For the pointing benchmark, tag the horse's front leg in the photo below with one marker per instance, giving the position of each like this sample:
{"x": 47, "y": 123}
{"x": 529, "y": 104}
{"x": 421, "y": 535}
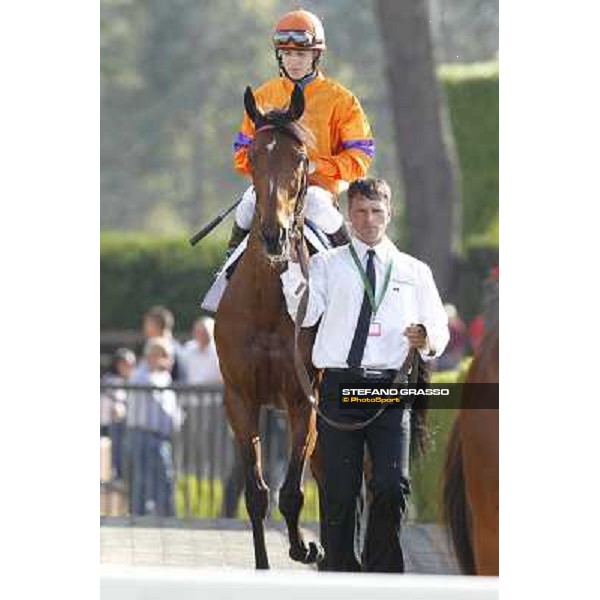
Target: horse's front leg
{"x": 291, "y": 495}
{"x": 244, "y": 422}
{"x": 257, "y": 499}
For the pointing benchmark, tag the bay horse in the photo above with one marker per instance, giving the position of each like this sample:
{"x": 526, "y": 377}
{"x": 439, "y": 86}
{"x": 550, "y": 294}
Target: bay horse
{"x": 470, "y": 475}
{"x": 254, "y": 334}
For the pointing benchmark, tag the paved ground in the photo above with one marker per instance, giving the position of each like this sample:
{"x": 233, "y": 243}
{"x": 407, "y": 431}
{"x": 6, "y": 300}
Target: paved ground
{"x": 227, "y": 543}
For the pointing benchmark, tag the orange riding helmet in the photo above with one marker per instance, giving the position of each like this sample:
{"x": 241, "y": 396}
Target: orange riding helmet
{"x": 299, "y": 30}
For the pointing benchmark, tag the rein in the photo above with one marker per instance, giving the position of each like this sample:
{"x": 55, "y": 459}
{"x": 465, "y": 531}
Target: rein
{"x": 409, "y": 370}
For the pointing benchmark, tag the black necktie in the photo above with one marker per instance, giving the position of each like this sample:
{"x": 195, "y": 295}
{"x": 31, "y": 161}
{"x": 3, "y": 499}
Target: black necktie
{"x": 357, "y": 349}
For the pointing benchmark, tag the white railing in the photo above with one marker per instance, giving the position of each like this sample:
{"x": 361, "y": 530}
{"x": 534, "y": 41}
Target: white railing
{"x": 175, "y": 583}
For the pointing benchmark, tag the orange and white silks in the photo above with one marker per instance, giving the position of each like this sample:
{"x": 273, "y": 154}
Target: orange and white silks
{"x": 340, "y": 139}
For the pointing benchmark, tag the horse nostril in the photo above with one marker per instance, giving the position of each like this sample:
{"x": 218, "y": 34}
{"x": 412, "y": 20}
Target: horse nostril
{"x": 273, "y": 242}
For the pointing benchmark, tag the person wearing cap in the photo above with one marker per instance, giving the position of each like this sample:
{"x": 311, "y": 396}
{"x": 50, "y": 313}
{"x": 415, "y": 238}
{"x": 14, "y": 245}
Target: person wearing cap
{"x": 372, "y": 304}
{"x": 341, "y": 145}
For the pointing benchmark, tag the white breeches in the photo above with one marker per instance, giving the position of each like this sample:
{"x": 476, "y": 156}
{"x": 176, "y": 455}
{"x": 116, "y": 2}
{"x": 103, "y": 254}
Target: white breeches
{"x": 319, "y": 209}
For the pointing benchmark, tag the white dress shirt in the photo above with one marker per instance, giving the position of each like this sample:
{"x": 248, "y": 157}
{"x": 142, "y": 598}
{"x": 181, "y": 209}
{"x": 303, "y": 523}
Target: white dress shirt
{"x": 202, "y": 364}
{"x": 336, "y": 295}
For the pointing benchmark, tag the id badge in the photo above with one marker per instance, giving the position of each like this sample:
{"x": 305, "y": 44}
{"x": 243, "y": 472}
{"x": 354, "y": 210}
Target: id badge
{"x": 375, "y": 329}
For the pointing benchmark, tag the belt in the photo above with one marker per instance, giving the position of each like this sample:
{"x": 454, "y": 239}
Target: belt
{"x": 365, "y": 372}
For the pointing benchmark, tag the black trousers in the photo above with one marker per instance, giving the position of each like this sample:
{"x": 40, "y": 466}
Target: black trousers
{"x": 388, "y": 442}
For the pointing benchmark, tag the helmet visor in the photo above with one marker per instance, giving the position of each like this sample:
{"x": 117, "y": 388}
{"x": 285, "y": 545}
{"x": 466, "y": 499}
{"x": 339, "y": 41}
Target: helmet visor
{"x": 302, "y": 39}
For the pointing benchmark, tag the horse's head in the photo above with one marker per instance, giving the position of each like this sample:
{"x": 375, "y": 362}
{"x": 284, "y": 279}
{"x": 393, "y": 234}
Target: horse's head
{"x": 279, "y": 171}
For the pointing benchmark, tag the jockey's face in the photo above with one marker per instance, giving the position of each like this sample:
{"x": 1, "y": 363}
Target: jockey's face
{"x": 298, "y": 63}
{"x": 369, "y": 218}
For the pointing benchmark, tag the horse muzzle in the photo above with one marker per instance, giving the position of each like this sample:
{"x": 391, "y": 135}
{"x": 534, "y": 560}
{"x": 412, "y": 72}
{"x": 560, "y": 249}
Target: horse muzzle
{"x": 275, "y": 242}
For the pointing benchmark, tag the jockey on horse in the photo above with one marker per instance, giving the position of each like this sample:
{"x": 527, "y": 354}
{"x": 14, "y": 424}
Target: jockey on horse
{"x": 341, "y": 145}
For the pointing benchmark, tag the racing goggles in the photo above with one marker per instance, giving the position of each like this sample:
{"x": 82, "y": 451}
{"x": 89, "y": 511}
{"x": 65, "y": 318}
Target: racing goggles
{"x": 302, "y": 39}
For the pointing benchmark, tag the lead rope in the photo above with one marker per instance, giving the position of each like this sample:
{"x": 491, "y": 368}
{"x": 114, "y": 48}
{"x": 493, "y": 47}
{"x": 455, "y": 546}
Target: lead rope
{"x": 410, "y": 364}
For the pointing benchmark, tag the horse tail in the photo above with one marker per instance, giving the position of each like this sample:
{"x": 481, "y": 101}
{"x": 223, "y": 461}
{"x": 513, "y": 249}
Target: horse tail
{"x": 420, "y": 437}
{"x": 455, "y": 513}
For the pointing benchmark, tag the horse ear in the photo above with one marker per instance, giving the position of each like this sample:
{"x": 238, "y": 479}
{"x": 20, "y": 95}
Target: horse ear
{"x": 297, "y": 104}
{"x": 250, "y": 105}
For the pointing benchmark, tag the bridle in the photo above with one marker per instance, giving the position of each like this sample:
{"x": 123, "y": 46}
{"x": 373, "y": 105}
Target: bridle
{"x": 296, "y": 230}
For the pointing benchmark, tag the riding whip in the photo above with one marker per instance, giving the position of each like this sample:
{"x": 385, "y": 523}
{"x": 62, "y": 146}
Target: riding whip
{"x": 208, "y": 228}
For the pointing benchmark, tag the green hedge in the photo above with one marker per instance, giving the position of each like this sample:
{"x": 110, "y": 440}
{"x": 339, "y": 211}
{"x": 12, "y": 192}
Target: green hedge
{"x": 138, "y": 271}
{"x": 472, "y": 92}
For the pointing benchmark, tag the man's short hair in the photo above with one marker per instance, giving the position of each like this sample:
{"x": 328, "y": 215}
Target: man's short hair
{"x": 162, "y": 316}
{"x": 371, "y": 188}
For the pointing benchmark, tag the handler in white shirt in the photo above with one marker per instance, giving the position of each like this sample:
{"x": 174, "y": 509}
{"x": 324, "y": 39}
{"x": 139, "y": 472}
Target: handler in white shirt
{"x": 337, "y": 290}
{"x": 364, "y": 336}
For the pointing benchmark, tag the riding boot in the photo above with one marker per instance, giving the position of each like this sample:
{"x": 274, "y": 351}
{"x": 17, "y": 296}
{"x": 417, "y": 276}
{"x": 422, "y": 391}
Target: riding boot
{"x": 237, "y": 237}
{"x": 340, "y": 237}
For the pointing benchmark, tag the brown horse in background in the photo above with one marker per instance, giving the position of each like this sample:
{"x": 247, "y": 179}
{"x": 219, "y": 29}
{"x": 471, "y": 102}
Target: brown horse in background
{"x": 254, "y": 334}
{"x": 470, "y": 477}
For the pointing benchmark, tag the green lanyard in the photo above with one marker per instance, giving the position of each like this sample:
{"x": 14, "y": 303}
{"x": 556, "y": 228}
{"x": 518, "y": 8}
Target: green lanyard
{"x": 367, "y": 284}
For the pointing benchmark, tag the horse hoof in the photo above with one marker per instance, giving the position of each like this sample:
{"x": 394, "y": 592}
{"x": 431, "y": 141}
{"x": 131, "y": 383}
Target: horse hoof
{"x": 299, "y": 553}
{"x": 314, "y": 553}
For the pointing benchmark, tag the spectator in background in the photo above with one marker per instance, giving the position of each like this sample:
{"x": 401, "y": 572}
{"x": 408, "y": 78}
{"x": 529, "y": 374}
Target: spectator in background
{"x": 113, "y": 406}
{"x": 476, "y": 330}
{"x": 457, "y": 346}
{"x": 202, "y": 367}
{"x": 160, "y": 322}
{"x": 486, "y": 320}
{"x": 152, "y": 418}
{"x": 201, "y": 360}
